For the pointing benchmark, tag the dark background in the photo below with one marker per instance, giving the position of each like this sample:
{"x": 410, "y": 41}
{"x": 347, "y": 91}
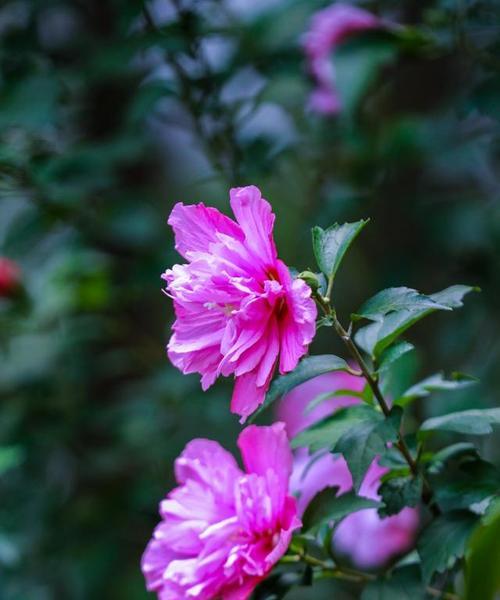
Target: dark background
{"x": 111, "y": 111}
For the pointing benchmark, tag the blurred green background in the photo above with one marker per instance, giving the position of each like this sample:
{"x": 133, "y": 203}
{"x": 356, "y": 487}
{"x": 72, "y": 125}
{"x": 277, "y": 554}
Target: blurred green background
{"x": 111, "y": 111}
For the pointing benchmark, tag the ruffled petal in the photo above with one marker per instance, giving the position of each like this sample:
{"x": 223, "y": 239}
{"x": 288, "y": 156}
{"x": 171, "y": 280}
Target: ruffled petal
{"x": 264, "y": 448}
{"x": 208, "y": 463}
{"x": 247, "y": 395}
{"x": 154, "y": 562}
{"x": 196, "y": 227}
{"x": 256, "y": 219}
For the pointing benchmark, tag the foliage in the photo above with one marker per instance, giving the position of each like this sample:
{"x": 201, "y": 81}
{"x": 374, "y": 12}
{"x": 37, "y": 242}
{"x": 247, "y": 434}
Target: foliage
{"x": 112, "y": 110}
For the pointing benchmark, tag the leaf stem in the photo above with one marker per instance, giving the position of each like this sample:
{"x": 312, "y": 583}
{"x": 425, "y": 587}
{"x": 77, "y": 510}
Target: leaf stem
{"x": 328, "y": 294}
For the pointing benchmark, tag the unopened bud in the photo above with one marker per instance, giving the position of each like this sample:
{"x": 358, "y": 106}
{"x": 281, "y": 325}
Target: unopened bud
{"x": 311, "y": 279}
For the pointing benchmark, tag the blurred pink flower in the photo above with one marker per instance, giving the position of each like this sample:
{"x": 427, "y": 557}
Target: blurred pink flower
{"x": 237, "y": 306}
{"x": 365, "y": 538}
{"x": 329, "y": 28}
{"x": 222, "y": 529}
{"x": 293, "y": 408}
{"x": 10, "y": 277}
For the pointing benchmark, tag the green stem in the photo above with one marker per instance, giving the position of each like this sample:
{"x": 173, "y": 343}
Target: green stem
{"x": 324, "y": 303}
{"x": 348, "y": 574}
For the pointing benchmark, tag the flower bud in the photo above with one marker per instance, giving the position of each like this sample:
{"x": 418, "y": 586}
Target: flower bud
{"x": 311, "y": 279}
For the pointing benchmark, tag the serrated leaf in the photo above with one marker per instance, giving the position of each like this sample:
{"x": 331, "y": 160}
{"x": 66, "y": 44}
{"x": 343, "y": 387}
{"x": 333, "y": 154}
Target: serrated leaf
{"x": 404, "y": 584}
{"x": 435, "y": 383}
{"x": 358, "y": 432}
{"x": 471, "y": 422}
{"x": 327, "y": 507}
{"x": 308, "y": 367}
{"x": 360, "y": 444}
{"x": 396, "y": 299}
{"x": 453, "y": 295}
{"x": 325, "y": 433}
{"x": 443, "y": 541}
{"x": 378, "y": 336}
{"x": 399, "y": 492}
{"x": 330, "y": 245}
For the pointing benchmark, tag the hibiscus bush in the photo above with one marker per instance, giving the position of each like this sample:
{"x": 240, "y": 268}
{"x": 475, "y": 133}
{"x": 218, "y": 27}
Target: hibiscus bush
{"x": 365, "y": 491}
{"x": 313, "y": 400}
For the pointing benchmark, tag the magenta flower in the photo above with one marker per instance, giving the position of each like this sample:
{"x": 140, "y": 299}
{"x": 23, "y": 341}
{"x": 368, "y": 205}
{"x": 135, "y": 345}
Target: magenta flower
{"x": 222, "y": 529}
{"x": 239, "y": 312}
{"x": 293, "y": 408}
{"x": 363, "y": 537}
{"x": 329, "y": 28}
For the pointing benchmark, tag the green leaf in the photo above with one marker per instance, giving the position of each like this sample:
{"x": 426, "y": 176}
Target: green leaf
{"x": 308, "y": 367}
{"x": 399, "y": 492}
{"x": 394, "y": 460}
{"x": 378, "y": 336}
{"x": 330, "y": 245}
{"x": 358, "y": 432}
{"x": 10, "y": 457}
{"x": 395, "y": 299}
{"x": 393, "y": 354}
{"x": 466, "y": 482}
{"x": 471, "y": 422}
{"x": 443, "y": 541}
{"x": 326, "y": 433}
{"x": 435, "y": 383}
{"x": 404, "y": 584}
{"x": 329, "y": 395}
{"x": 453, "y": 451}
{"x": 17, "y": 106}
{"x": 453, "y": 295}
{"x": 327, "y": 506}
{"x": 361, "y": 443}
{"x": 482, "y": 579}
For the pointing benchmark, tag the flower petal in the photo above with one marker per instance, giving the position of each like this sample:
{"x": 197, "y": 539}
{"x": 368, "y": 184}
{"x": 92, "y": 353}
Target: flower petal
{"x": 247, "y": 395}
{"x": 255, "y": 216}
{"x": 264, "y": 448}
{"x": 208, "y": 463}
{"x": 196, "y": 227}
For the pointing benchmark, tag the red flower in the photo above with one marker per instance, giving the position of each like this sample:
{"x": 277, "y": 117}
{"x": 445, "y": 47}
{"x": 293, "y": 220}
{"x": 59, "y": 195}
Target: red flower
{"x": 10, "y": 277}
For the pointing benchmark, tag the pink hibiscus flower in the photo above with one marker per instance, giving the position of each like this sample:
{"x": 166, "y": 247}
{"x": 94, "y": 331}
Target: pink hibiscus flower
{"x": 329, "y": 28}
{"x": 222, "y": 529}
{"x": 366, "y": 539}
{"x": 239, "y": 312}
